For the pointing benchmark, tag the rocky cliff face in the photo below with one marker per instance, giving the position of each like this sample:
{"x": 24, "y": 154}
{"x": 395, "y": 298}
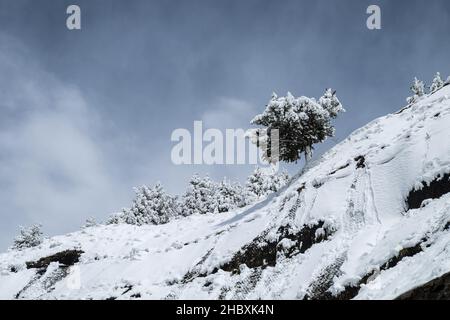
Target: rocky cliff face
{"x": 369, "y": 220}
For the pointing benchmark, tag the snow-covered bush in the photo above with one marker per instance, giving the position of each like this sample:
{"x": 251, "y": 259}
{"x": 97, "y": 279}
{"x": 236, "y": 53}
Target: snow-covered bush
{"x": 28, "y": 237}
{"x": 199, "y": 197}
{"x": 264, "y": 181}
{"x": 150, "y": 206}
{"x": 257, "y": 183}
{"x": 116, "y": 218}
{"x": 418, "y": 90}
{"x": 301, "y": 122}
{"x": 90, "y": 222}
{"x": 437, "y": 83}
{"x": 155, "y": 206}
{"x": 331, "y": 103}
{"x": 229, "y": 196}
{"x": 278, "y": 180}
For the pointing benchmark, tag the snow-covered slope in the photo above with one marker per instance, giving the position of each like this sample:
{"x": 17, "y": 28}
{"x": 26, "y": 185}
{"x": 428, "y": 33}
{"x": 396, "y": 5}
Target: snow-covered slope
{"x": 349, "y": 226}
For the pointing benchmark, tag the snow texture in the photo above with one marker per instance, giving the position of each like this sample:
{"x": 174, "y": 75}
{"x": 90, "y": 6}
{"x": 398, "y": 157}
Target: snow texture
{"x": 342, "y": 218}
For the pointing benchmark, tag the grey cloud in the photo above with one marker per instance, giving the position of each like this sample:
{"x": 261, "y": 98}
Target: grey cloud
{"x": 140, "y": 69}
{"x": 53, "y": 169}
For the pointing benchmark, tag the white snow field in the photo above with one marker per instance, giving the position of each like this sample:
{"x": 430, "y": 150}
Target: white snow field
{"x": 341, "y": 229}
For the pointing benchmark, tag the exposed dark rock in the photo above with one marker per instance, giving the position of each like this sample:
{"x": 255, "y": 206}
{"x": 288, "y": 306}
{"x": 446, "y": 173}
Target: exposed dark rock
{"x": 14, "y": 269}
{"x": 319, "y": 289}
{"x": 434, "y": 190}
{"x": 263, "y": 253}
{"x": 258, "y": 253}
{"x": 317, "y": 184}
{"x": 360, "y": 162}
{"x": 66, "y": 258}
{"x": 405, "y": 252}
{"x": 437, "y": 289}
{"x": 244, "y": 286}
{"x": 340, "y": 168}
{"x": 33, "y": 280}
{"x": 301, "y": 188}
{"x": 127, "y": 289}
{"x": 352, "y": 291}
{"x": 405, "y": 108}
{"x": 191, "y": 275}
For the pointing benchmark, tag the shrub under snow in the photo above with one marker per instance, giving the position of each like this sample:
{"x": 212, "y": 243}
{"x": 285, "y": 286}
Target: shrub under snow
{"x": 418, "y": 90}
{"x": 150, "y": 206}
{"x": 264, "y": 181}
{"x": 437, "y": 83}
{"x": 199, "y": 196}
{"x": 28, "y": 237}
{"x": 229, "y": 196}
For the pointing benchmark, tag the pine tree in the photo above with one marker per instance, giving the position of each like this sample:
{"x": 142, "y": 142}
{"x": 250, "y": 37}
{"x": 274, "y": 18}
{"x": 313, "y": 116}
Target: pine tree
{"x": 278, "y": 181}
{"x": 150, "y": 206}
{"x": 301, "y": 123}
{"x": 437, "y": 83}
{"x": 199, "y": 197}
{"x": 257, "y": 183}
{"x": 229, "y": 196}
{"x": 90, "y": 222}
{"x": 331, "y": 103}
{"x": 117, "y": 217}
{"x": 262, "y": 182}
{"x": 418, "y": 90}
{"x": 28, "y": 237}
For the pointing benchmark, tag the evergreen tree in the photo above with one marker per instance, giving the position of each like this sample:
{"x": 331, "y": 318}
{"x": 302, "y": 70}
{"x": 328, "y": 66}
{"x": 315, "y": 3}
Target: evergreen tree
{"x": 418, "y": 90}
{"x": 199, "y": 197}
{"x": 90, "y": 222}
{"x": 28, "y": 237}
{"x": 150, "y": 206}
{"x": 116, "y": 218}
{"x": 278, "y": 181}
{"x": 262, "y": 182}
{"x": 437, "y": 83}
{"x": 256, "y": 183}
{"x": 229, "y": 196}
{"x": 301, "y": 123}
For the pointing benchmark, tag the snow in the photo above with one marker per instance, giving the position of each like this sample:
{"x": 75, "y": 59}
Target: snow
{"x": 362, "y": 201}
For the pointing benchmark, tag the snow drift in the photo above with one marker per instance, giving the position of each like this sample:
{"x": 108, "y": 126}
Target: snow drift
{"x": 369, "y": 220}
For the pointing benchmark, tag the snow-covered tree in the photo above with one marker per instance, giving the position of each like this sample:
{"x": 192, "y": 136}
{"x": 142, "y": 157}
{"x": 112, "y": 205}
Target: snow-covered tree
{"x": 28, "y": 237}
{"x": 331, "y": 103}
{"x": 437, "y": 83}
{"x": 90, "y": 222}
{"x": 229, "y": 196}
{"x": 278, "y": 180}
{"x": 264, "y": 181}
{"x": 418, "y": 90}
{"x": 257, "y": 183}
{"x": 117, "y": 217}
{"x": 199, "y": 197}
{"x": 301, "y": 122}
{"x": 150, "y": 206}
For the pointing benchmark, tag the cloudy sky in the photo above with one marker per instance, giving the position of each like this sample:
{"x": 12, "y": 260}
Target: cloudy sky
{"x": 86, "y": 115}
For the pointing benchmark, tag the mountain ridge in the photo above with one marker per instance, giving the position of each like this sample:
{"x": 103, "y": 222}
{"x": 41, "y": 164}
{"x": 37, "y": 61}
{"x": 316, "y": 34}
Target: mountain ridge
{"x": 343, "y": 228}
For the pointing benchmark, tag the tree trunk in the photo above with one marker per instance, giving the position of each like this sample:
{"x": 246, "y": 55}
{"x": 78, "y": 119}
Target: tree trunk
{"x": 308, "y": 154}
